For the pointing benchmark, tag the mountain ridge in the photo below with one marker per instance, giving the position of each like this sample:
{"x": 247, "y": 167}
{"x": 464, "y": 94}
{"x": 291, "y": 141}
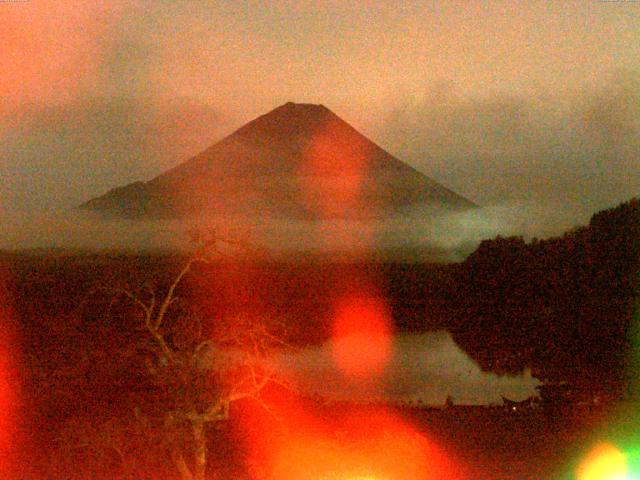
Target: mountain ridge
{"x": 291, "y": 161}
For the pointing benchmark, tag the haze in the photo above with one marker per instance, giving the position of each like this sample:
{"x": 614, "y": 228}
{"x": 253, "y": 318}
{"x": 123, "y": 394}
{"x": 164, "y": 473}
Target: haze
{"x": 531, "y": 110}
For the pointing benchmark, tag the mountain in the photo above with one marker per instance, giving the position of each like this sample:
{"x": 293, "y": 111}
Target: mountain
{"x": 298, "y": 161}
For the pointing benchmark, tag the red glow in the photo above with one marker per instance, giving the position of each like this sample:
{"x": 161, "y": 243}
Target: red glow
{"x": 9, "y": 385}
{"x": 295, "y": 440}
{"x": 361, "y": 336}
{"x": 359, "y": 444}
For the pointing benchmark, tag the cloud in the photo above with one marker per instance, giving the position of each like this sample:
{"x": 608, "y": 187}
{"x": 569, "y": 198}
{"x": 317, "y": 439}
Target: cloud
{"x": 52, "y": 51}
{"x": 577, "y": 148}
{"x": 72, "y": 229}
{"x": 61, "y": 156}
{"x": 539, "y": 165}
{"x": 421, "y": 233}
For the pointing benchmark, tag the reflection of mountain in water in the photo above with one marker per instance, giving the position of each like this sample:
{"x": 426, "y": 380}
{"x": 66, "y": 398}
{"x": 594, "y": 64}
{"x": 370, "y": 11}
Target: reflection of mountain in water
{"x": 298, "y": 161}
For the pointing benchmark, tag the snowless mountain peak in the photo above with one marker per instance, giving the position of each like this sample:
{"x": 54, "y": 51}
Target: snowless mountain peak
{"x": 298, "y": 161}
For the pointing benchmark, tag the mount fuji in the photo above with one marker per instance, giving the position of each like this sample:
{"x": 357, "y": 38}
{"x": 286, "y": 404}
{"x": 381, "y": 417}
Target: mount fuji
{"x": 298, "y": 161}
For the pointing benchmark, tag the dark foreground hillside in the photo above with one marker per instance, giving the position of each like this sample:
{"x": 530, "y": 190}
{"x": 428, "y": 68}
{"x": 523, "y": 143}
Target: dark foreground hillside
{"x": 481, "y": 443}
{"x": 563, "y": 307}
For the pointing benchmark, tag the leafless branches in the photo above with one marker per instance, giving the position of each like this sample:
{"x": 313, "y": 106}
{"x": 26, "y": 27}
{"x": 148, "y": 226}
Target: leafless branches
{"x": 204, "y": 375}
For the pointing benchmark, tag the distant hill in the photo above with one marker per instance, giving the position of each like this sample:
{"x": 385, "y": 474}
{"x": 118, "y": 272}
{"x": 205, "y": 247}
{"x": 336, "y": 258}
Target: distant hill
{"x": 298, "y": 161}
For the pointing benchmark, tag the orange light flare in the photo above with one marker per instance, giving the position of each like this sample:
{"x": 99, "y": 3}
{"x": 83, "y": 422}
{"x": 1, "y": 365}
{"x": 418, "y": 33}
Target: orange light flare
{"x": 356, "y": 443}
{"x": 289, "y": 438}
{"x": 336, "y": 164}
{"x": 604, "y": 462}
{"x": 361, "y": 338}
{"x": 9, "y": 383}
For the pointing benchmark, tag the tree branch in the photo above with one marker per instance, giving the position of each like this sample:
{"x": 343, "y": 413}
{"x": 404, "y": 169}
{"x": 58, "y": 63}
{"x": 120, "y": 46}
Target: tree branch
{"x": 169, "y": 297}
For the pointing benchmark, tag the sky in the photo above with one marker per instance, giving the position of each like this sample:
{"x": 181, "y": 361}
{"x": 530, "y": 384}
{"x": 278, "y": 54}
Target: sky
{"x": 531, "y": 110}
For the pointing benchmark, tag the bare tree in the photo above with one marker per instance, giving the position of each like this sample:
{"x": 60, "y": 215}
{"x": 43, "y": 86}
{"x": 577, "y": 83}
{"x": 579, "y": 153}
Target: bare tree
{"x": 200, "y": 374}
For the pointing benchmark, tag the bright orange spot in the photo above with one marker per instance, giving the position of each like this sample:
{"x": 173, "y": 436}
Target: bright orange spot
{"x": 298, "y": 440}
{"x": 356, "y": 444}
{"x": 361, "y": 336}
{"x": 605, "y": 462}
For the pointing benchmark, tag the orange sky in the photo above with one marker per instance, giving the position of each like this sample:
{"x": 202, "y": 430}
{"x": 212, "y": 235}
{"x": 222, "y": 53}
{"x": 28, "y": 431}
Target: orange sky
{"x": 412, "y": 77}
{"x": 249, "y": 57}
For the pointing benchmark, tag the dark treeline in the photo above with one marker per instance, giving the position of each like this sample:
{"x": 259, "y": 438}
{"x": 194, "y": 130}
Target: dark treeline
{"x": 562, "y": 306}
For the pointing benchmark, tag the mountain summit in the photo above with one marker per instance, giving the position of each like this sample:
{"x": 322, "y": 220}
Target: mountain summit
{"x": 297, "y": 161}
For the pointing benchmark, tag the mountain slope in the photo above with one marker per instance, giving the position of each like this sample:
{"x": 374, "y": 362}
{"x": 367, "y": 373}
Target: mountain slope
{"x": 298, "y": 161}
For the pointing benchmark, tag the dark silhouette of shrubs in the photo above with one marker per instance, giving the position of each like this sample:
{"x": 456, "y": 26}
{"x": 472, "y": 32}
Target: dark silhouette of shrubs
{"x": 562, "y": 306}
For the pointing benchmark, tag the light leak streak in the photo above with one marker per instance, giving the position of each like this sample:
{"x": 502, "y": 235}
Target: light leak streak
{"x": 52, "y": 51}
{"x": 296, "y": 441}
{"x": 335, "y": 165}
